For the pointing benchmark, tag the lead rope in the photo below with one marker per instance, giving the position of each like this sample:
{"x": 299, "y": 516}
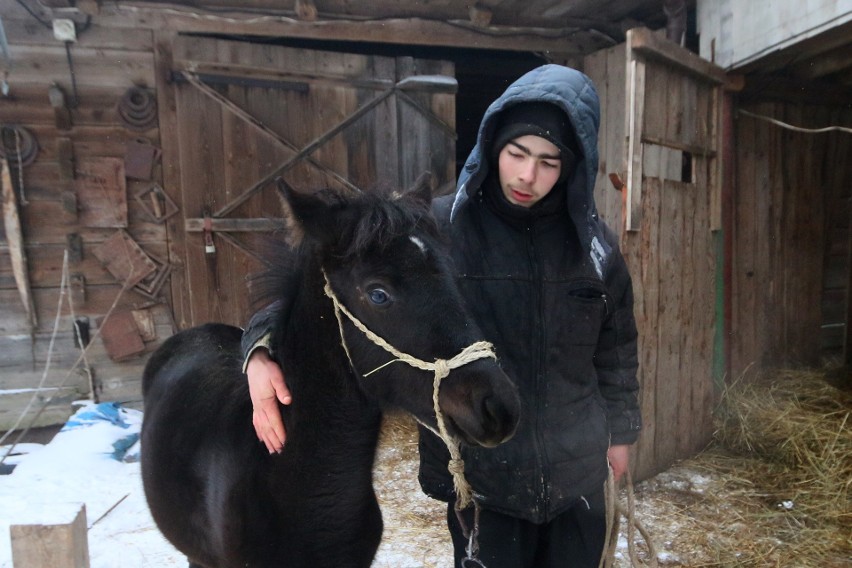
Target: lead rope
{"x": 441, "y": 368}
{"x": 614, "y": 512}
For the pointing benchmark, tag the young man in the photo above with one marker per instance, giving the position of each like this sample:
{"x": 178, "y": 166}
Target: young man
{"x": 543, "y": 276}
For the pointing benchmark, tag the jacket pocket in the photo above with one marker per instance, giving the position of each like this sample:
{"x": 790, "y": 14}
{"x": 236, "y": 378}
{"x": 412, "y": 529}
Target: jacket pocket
{"x": 582, "y": 312}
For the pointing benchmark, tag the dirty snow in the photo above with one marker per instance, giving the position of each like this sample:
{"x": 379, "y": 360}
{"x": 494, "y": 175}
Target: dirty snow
{"x": 92, "y": 462}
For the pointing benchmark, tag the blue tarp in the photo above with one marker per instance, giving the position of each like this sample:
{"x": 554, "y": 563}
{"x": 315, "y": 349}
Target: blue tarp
{"x": 113, "y": 413}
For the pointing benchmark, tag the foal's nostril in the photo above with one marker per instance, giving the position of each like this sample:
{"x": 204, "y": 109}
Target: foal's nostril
{"x": 497, "y": 418}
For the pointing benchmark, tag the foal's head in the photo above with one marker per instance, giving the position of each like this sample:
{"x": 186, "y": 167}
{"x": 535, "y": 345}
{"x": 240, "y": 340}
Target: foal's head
{"x": 386, "y": 265}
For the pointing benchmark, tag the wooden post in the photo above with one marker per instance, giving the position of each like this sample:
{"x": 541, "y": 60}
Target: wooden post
{"x": 55, "y": 545}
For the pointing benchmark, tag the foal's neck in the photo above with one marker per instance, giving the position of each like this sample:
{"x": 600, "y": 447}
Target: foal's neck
{"x": 329, "y": 410}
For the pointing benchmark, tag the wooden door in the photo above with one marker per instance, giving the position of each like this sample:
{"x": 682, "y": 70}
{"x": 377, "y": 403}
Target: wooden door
{"x": 248, "y": 113}
{"x": 660, "y": 139}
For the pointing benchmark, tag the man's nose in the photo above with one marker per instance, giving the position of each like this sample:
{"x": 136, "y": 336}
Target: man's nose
{"x": 528, "y": 171}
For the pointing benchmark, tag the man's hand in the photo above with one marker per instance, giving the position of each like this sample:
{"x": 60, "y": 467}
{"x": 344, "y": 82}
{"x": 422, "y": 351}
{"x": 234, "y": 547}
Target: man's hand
{"x": 267, "y": 388}
{"x": 619, "y": 459}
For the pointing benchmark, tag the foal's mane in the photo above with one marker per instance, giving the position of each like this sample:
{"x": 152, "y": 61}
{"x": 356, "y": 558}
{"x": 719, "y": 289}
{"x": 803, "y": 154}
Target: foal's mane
{"x": 364, "y": 222}
{"x": 385, "y": 218}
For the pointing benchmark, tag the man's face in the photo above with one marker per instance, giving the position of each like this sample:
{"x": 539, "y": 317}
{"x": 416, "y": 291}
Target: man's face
{"x": 529, "y": 167}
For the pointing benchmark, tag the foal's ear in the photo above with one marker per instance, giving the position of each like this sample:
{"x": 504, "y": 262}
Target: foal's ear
{"x": 422, "y": 189}
{"x": 322, "y": 215}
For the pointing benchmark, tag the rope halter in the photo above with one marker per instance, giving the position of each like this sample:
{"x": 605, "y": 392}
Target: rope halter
{"x": 441, "y": 368}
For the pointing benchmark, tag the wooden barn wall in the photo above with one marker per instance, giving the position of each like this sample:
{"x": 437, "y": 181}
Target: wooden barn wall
{"x": 672, "y": 256}
{"x": 790, "y": 237}
{"x": 106, "y": 63}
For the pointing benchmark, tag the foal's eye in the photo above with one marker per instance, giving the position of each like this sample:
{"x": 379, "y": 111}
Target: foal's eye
{"x": 378, "y": 296}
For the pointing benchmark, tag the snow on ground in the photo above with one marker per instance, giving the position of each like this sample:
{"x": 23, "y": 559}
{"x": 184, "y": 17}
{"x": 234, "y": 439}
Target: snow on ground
{"x": 93, "y": 461}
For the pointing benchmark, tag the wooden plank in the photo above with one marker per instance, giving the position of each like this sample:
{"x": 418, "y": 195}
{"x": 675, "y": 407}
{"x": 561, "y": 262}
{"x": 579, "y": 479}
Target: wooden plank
{"x": 690, "y": 374}
{"x": 807, "y": 273}
{"x": 383, "y": 129}
{"x": 606, "y": 68}
{"x": 28, "y": 104}
{"x": 703, "y": 263}
{"x": 771, "y": 235}
{"x": 227, "y": 224}
{"x": 200, "y": 128}
{"x": 107, "y": 140}
{"x": 718, "y": 165}
{"x": 743, "y": 308}
{"x": 23, "y": 32}
{"x": 647, "y": 272}
{"x": 22, "y": 353}
{"x": 656, "y": 108}
{"x": 635, "y": 124}
{"x": 171, "y": 172}
{"x": 23, "y": 378}
{"x": 652, "y": 46}
{"x": 594, "y": 66}
{"x": 44, "y": 65}
{"x": 668, "y": 332}
{"x": 428, "y": 142}
{"x": 40, "y": 233}
{"x": 53, "y": 406}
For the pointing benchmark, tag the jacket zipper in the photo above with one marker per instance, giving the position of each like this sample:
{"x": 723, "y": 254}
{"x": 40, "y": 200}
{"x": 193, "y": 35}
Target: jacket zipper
{"x": 540, "y": 350}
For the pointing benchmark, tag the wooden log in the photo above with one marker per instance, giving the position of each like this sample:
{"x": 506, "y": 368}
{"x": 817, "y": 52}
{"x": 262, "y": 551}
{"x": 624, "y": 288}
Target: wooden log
{"x": 61, "y": 543}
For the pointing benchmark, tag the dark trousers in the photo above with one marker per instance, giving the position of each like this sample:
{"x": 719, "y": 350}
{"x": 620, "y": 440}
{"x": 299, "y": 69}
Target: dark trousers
{"x": 574, "y": 539}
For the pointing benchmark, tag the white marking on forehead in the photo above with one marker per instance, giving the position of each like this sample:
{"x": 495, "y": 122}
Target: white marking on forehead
{"x": 420, "y": 244}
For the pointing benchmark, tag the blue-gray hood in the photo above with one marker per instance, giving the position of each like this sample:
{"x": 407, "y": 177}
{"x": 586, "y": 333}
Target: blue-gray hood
{"x": 574, "y": 93}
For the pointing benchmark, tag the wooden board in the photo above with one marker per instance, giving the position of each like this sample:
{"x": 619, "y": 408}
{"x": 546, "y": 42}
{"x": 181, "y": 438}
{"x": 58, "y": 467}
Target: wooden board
{"x": 101, "y": 191}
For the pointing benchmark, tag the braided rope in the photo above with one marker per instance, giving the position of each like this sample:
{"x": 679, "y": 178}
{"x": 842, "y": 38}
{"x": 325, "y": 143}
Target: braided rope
{"x": 441, "y": 368}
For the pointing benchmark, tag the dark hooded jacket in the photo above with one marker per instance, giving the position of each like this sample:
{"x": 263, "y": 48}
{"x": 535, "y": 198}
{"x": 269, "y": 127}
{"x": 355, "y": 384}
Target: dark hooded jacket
{"x": 550, "y": 289}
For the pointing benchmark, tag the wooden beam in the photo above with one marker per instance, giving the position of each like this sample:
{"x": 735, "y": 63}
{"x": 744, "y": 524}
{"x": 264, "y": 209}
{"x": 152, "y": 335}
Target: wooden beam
{"x": 406, "y": 31}
{"x": 635, "y": 124}
{"x": 648, "y": 44}
{"x": 243, "y": 225}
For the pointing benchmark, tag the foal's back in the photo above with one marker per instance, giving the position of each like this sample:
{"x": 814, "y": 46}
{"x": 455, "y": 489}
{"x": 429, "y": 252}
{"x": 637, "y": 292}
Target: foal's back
{"x": 214, "y": 491}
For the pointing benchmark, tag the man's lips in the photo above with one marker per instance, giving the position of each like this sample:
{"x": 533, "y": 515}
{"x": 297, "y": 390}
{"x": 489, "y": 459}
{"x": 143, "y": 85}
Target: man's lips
{"x": 520, "y": 196}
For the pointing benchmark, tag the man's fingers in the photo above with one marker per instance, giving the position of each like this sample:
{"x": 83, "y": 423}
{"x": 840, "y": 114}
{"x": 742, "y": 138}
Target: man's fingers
{"x": 266, "y": 432}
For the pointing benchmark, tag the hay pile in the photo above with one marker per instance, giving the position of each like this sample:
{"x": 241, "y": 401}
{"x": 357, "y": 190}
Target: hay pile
{"x": 773, "y": 490}
{"x": 786, "y": 448}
